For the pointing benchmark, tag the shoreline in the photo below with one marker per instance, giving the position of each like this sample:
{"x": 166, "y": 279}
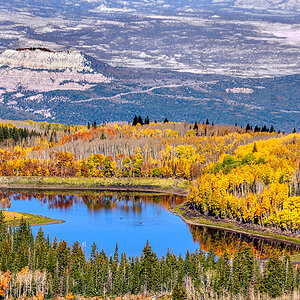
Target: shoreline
{"x": 32, "y": 219}
{"x": 200, "y": 220}
{"x": 112, "y": 188}
{"x": 139, "y": 185}
{"x": 146, "y": 185}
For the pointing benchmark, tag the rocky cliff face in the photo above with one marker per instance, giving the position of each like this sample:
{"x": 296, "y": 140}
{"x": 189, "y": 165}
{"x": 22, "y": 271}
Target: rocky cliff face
{"x": 40, "y": 58}
{"x": 42, "y": 70}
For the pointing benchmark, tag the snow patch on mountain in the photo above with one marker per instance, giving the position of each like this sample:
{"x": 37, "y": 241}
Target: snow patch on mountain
{"x": 104, "y": 9}
{"x": 287, "y": 5}
{"x": 239, "y": 90}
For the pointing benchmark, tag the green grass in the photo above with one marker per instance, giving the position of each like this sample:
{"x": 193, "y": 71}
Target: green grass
{"x": 181, "y": 209}
{"x": 14, "y": 218}
{"x": 156, "y": 184}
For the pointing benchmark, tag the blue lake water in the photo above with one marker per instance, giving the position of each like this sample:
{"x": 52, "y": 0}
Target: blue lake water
{"x": 130, "y": 219}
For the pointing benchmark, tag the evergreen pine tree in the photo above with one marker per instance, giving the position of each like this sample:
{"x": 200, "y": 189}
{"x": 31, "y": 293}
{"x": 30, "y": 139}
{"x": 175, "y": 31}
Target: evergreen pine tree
{"x": 179, "y": 293}
{"x": 135, "y": 121}
{"x": 264, "y": 129}
{"x": 242, "y": 271}
{"x": 148, "y": 262}
{"x": 222, "y": 277}
{"x": 273, "y": 278}
{"x": 140, "y": 120}
{"x": 2, "y": 227}
{"x": 77, "y": 269}
{"x": 195, "y": 126}
{"x": 40, "y": 250}
{"x": 297, "y": 280}
{"x": 147, "y": 121}
{"x": 256, "y": 129}
{"x": 248, "y": 127}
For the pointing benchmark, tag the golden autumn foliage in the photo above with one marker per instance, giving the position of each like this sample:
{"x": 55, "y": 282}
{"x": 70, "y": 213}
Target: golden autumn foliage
{"x": 121, "y": 150}
{"x": 252, "y": 177}
{"x": 258, "y": 184}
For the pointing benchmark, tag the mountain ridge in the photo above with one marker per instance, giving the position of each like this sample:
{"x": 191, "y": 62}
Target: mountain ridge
{"x": 102, "y": 92}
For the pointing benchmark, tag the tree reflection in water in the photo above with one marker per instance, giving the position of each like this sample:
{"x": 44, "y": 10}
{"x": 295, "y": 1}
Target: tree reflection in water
{"x": 221, "y": 241}
{"x": 216, "y": 240}
{"x": 125, "y": 202}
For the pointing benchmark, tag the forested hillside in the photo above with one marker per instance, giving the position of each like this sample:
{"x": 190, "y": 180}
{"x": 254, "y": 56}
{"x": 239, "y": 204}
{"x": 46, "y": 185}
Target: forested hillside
{"x": 247, "y": 175}
{"x": 232, "y": 173}
{"x": 259, "y": 184}
{"x": 165, "y": 150}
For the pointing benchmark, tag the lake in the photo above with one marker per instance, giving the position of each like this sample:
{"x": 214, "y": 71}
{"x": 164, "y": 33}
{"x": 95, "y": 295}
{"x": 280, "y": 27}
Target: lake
{"x": 130, "y": 219}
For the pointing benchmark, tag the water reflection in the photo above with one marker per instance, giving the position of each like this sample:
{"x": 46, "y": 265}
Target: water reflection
{"x": 131, "y": 219}
{"x": 221, "y": 241}
{"x": 125, "y": 202}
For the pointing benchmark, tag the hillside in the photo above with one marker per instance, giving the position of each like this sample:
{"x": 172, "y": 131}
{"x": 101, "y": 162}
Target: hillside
{"x": 71, "y": 87}
{"x": 237, "y": 179}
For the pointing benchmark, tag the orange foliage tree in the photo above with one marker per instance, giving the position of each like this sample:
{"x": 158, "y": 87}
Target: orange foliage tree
{"x": 4, "y": 282}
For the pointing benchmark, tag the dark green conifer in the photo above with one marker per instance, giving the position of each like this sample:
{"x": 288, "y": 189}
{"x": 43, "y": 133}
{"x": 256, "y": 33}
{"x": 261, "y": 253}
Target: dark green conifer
{"x": 78, "y": 266}
{"x": 221, "y": 282}
{"x": 148, "y": 263}
{"x": 147, "y": 121}
{"x": 242, "y": 271}
{"x": 273, "y": 278}
{"x": 135, "y": 121}
{"x": 179, "y": 293}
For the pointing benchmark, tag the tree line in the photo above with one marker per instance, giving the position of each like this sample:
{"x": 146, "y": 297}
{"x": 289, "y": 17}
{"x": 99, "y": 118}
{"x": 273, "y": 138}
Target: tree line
{"x": 37, "y": 266}
{"x": 16, "y": 134}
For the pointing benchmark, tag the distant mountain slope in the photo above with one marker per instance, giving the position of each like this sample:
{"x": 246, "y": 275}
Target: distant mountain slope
{"x": 120, "y": 6}
{"x": 223, "y": 37}
{"x": 73, "y": 87}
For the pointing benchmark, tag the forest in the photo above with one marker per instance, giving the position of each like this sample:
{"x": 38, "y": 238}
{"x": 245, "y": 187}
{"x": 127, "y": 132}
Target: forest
{"x": 38, "y": 268}
{"x": 232, "y": 173}
{"x": 243, "y": 175}
{"x": 259, "y": 184}
{"x": 163, "y": 150}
